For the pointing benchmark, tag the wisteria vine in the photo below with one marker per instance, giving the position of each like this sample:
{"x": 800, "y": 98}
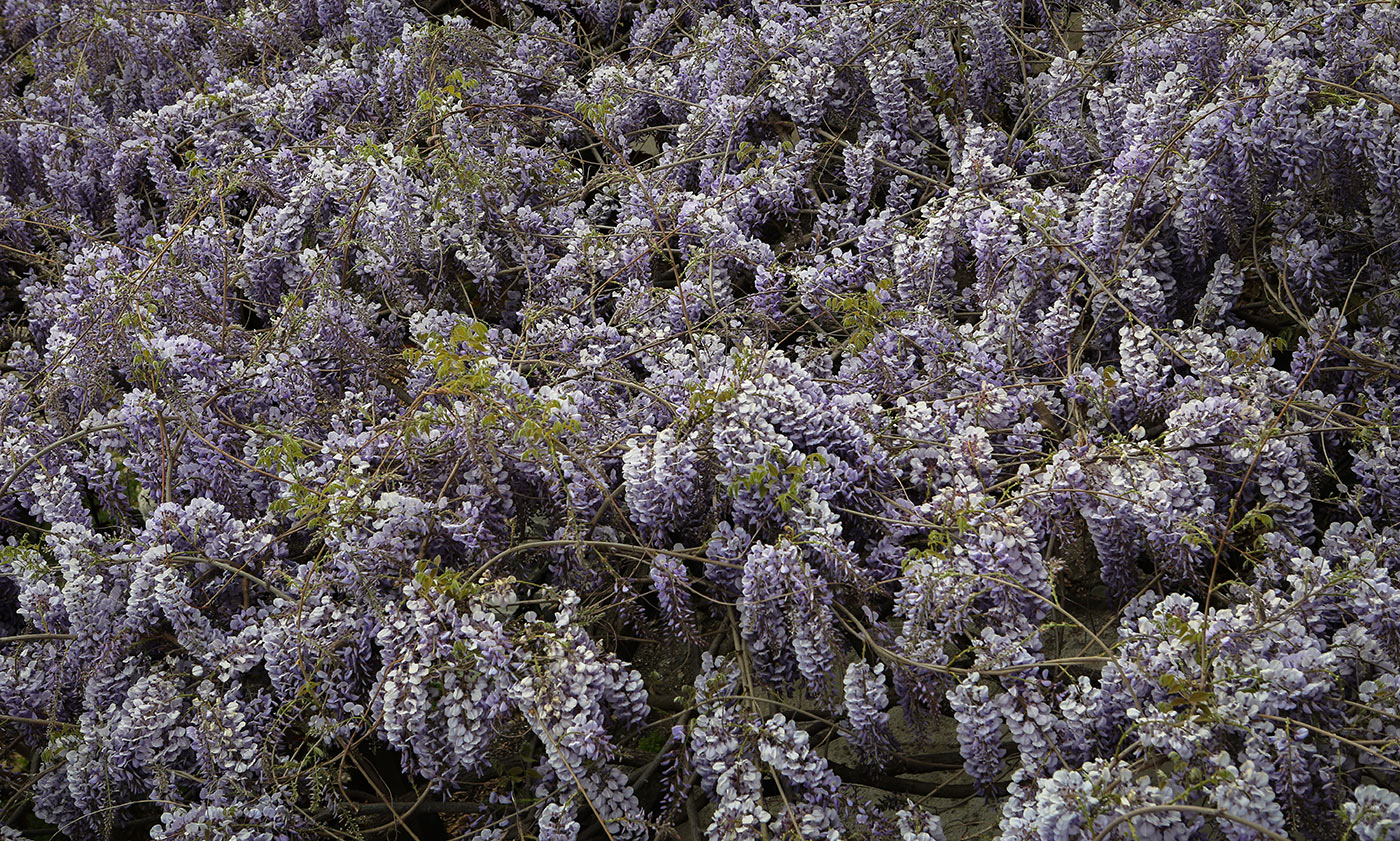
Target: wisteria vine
{"x": 677, "y": 419}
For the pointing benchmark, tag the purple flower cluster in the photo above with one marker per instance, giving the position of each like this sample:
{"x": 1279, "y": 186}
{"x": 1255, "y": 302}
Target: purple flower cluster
{"x": 570, "y": 419}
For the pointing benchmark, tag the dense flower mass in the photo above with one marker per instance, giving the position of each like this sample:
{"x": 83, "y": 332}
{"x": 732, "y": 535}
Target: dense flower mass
{"x": 725, "y": 419}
